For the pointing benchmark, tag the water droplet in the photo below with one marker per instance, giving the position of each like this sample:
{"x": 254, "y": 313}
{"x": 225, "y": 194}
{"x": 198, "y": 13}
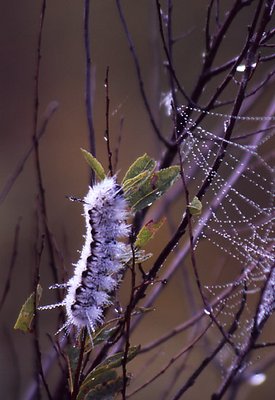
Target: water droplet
{"x": 257, "y": 379}
{"x": 240, "y": 68}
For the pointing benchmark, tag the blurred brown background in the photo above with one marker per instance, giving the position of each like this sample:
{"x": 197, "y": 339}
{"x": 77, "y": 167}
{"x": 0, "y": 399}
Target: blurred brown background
{"x": 63, "y": 168}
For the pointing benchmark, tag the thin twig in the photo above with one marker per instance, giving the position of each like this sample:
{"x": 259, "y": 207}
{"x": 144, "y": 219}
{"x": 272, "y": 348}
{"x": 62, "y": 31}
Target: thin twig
{"x": 167, "y": 53}
{"x": 88, "y": 82}
{"x": 127, "y": 319}
{"x": 208, "y": 37}
{"x": 38, "y": 255}
{"x": 36, "y": 146}
{"x": 247, "y": 135}
{"x": 117, "y": 148}
{"x": 140, "y": 80}
{"x": 171, "y": 42}
{"x": 107, "y": 130}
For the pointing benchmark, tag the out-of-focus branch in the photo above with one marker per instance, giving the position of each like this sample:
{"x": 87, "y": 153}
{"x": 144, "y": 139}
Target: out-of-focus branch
{"x": 52, "y": 107}
{"x": 172, "y": 361}
{"x": 12, "y": 263}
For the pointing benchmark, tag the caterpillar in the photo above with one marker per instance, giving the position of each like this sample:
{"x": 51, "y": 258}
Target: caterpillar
{"x": 100, "y": 265}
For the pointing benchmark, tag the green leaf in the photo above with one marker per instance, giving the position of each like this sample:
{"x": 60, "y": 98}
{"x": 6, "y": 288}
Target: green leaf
{"x": 72, "y": 357}
{"x": 147, "y": 232}
{"x": 102, "y": 373}
{"x": 99, "y": 386}
{"x": 106, "y": 391}
{"x": 131, "y": 186}
{"x": 102, "y": 335}
{"x": 94, "y": 164}
{"x": 143, "y": 310}
{"x": 195, "y": 207}
{"x": 26, "y": 314}
{"x": 154, "y": 187}
{"x": 116, "y": 360}
{"x": 142, "y": 164}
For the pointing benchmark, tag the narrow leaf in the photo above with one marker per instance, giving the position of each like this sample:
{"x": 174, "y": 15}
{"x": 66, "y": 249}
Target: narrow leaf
{"x": 147, "y": 232}
{"x": 94, "y": 164}
{"x": 26, "y": 314}
{"x": 72, "y": 358}
{"x": 143, "y": 310}
{"x": 116, "y": 360}
{"x": 141, "y": 256}
{"x": 142, "y": 164}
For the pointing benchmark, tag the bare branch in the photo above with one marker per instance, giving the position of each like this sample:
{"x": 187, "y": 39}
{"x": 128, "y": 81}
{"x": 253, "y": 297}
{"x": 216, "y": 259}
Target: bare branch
{"x": 138, "y": 72}
{"x": 88, "y": 81}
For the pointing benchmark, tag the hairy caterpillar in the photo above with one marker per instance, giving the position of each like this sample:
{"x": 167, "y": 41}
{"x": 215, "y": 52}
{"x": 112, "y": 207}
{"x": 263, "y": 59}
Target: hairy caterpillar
{"x": 96, "y": 274}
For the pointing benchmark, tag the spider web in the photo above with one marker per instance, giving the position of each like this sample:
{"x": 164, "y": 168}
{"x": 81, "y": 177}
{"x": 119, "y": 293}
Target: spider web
{"x": 238, "y": 212}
